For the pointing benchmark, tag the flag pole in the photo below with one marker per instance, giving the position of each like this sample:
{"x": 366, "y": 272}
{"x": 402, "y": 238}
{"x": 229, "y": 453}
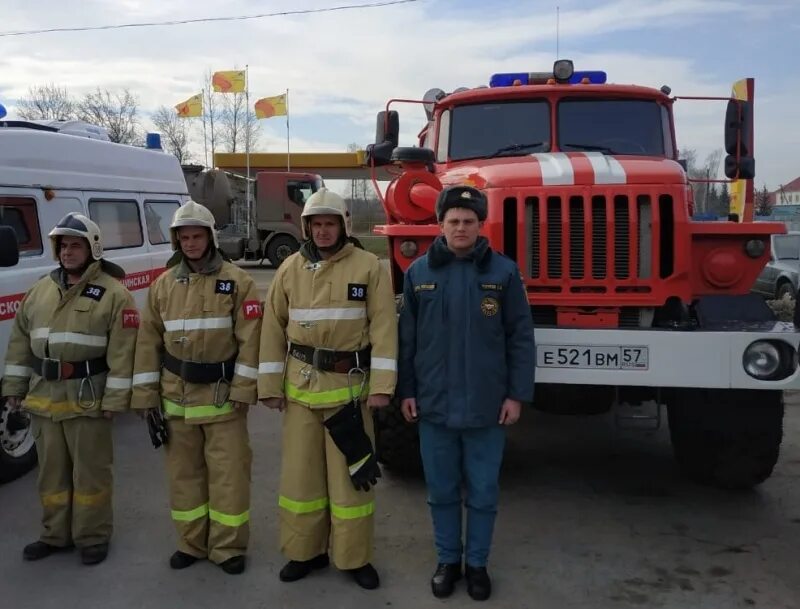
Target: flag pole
{"x": 247, "y": 143}
{"x": 205, "y": 136}
{"x": 288, "y": 148}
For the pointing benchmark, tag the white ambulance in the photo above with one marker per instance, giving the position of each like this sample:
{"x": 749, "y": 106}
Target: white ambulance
{"x": 48, "y": 169}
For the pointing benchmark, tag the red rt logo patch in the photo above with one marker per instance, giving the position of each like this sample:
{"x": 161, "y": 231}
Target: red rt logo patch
{"x": 130, "y": 318}
{"x": 251, "y": 309}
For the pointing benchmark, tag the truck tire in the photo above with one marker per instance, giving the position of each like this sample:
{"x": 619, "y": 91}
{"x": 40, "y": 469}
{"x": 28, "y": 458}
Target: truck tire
{"x": 17, "y": 449}
{"x": 396, "y": 441}
{"x": 280, "y": 248}
{"x": 729, "y": 438}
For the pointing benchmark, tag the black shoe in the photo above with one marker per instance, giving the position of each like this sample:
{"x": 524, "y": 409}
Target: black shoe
{"x": 40, "y": 549}
{"x": 479, "y": 586}
{"x": 298, "y": 569}
{"x": 444, "y": 580}
{"x": 181, "y": 560}
{"x": 91, "y": 555}
{"x": 233, "y": 565}
{"x": 366, "y": 577}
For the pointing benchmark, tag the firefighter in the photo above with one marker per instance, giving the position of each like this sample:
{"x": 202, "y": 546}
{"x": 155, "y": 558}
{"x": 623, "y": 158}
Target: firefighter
{"x": 69, "y": 366}
{"x": 466, "y": 365}
{"x": 331, "y": 308}
{"x": 196, "y": 359}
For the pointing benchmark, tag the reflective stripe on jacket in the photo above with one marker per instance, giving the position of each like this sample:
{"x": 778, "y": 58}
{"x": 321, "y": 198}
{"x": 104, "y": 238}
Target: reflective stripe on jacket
{"x": 344, "y": 303}
{"x": 94, "y": 318}
{"x": 205, "y": 317}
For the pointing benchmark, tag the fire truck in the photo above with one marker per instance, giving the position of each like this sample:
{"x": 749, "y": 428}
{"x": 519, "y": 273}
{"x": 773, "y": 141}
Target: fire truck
{"x": 636, "y": 306}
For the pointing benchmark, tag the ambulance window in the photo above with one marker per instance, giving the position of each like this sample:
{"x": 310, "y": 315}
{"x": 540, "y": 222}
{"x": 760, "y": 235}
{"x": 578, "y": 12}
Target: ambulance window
{"x": 119, "y": 222}
{"x": 20, "y": 214}
{"x": 158, "y": 215}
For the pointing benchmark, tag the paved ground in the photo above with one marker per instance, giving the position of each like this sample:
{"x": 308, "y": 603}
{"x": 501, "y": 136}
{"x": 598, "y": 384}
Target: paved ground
{"x": 591, "y": 517}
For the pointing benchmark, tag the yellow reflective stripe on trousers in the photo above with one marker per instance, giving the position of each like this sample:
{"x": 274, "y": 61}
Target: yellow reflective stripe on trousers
{"x": 195, "y": 412}
{"x": 92, "y": 500}
{"x": 332, "y": 396}
{"x": 349, "y": 513}
{"x": 189, "y": 515}
{"x": 56, "y": 499}
{"x": 302, "y": 507}
{"x": 229, "y": 520}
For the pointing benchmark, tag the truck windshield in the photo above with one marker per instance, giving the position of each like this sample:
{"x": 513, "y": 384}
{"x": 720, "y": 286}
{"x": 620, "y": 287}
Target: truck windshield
{"x": 611, "y": 126}
{"x": 499, "y": 129}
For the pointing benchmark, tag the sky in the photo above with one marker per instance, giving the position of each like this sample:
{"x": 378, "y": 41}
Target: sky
{"x": 342, "y": 67}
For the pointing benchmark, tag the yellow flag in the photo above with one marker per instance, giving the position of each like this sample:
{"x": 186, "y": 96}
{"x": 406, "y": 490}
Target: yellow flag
{"x": 738, "y": 189}
{"x": 230, "y": 81}
{"x": 191, "y": 107}
{"x": 267, "y": 107}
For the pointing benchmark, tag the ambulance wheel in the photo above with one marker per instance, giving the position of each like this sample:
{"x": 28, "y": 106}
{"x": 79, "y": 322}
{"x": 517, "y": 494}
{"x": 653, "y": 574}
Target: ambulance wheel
{"x": 397, "y": 442}
{"x": 17, "y": 449}
{"x": 729, "y": 438}
{"x": 280, "y": 248}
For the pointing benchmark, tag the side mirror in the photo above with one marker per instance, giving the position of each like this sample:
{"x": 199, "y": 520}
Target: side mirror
{"x": 387, "y": 128}
{"x": 739, "y": 164}
{"x": 9, "y": 247}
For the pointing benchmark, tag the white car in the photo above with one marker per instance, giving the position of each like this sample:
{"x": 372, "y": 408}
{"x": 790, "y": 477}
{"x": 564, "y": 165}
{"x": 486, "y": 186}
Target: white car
{"x": 48, "y": 169}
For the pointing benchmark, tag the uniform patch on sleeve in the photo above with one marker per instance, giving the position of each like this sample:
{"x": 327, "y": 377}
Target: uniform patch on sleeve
{"x": 357, "y": 291}
{"x": 224, "y": 286}
{"x": 95, "y": 292}
{"x": 130, "y": 318}
{"x": 251, "y": 309}
{"x": 424, "y": 287}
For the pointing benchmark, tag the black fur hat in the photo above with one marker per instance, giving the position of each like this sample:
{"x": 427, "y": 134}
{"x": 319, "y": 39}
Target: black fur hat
{"x": 461, "y": 196}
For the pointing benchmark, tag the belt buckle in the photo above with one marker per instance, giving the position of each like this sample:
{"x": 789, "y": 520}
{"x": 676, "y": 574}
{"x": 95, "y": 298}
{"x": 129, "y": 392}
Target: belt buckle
{"x": 51, "y": 369}
{"x": 323, "y": 359}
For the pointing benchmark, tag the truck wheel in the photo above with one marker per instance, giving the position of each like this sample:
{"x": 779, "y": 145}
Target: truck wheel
{"x": 17, "y": 449}
{"x": 397, "y": 442}
{"x": 280, "y": 248}
{"x": 728, "y": 438}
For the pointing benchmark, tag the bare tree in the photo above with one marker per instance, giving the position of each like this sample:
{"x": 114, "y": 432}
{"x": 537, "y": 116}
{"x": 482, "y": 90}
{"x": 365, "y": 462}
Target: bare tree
{"x": 763, "y": 202}
{"x": 211, "y": 116}
{"x": 239, "y": 128}
{"x": 703, "y": 192}
{"x": 47, "y": 102}
{"x": 117, "y": 112}
{"x": 360, "y": 189}
{"x": 175, "y": 132}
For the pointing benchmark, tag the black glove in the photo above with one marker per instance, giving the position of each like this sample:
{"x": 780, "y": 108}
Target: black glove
{"x": 157, "y": 426}
{"x": 347, "y": 432}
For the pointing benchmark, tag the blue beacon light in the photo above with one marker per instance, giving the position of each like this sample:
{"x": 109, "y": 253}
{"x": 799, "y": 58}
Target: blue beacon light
{"x": 507, "y": 79}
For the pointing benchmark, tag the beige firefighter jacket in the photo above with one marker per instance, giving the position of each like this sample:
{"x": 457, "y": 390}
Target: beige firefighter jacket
{"x": 96, "y": 317}
{"x": 205, "y": 317}
{"x": 344, "y": 303}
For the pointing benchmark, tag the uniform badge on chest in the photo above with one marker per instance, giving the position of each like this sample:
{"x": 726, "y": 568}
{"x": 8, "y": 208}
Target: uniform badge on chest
{"x": 490, "y": 306}
{"x": 224, "y": 286}
{"x": 95, "y": 292}
{"x": 357, "y": 291}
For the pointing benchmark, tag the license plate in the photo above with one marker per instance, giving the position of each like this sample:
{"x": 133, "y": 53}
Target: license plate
{"x": 592, "y": 356}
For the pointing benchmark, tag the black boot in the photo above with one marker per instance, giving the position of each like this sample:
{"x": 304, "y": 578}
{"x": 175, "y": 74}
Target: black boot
{"x": 479, "y": 586}
{"x": 233, "y": 565}
{"x": 298, "y": 569}
{"x": 181, "y": 560}
{"x": 366, "y": 577}
{"x": 40, "y": 549}
{"x": 444, "y": 580}
{"x": 92, "y": 555}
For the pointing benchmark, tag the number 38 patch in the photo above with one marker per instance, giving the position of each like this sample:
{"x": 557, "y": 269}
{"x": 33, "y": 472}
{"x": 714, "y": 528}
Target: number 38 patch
{"x": 224, "y": 286}
{"x": 357, "y": 291}
{"x": 95, "y": 292}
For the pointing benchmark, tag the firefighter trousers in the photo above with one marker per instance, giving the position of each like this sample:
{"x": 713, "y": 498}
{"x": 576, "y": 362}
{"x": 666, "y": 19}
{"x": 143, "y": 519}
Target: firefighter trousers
{"x": 75, "y": 479}
{"x": 209, "y": 478}
{"x": 319, "y": 506}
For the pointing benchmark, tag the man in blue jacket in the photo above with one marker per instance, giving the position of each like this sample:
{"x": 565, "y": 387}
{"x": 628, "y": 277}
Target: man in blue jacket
{"x": 466, "y": 365}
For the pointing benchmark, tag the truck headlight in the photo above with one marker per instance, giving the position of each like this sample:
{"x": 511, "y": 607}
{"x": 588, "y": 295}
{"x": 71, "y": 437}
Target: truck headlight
{"x": 755, "y": 248}
{"x": 409, "y": 248}
{"x": 769, "y": 360}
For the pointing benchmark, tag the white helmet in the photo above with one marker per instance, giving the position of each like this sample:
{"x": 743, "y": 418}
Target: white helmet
{"x": 192, "y": 214}
{"x": 77, "y": 225}
{"x": 325, "y": 202}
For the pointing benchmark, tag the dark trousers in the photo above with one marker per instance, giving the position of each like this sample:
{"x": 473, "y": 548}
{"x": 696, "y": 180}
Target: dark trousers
{"x": 450, "y": 458}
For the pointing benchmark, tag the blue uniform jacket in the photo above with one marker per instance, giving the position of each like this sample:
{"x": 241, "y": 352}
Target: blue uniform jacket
{"x": 466, "y": 336}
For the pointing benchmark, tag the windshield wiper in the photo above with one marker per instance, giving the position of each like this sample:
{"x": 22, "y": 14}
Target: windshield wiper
{"x": 514, "y": 148}
{"x": 603, "y": 149}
